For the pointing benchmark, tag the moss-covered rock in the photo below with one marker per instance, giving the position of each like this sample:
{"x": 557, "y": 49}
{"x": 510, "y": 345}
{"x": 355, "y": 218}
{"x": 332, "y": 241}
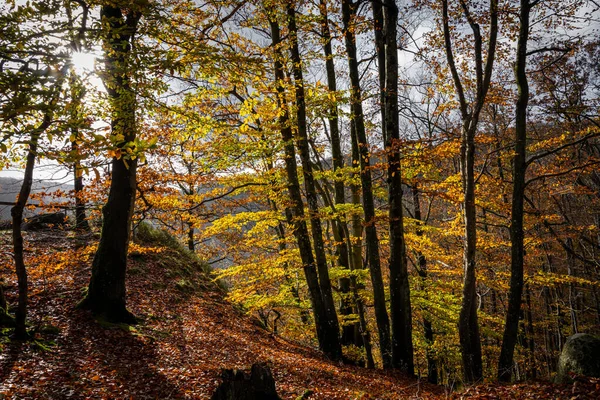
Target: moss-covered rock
{"x": 581, "y": 356}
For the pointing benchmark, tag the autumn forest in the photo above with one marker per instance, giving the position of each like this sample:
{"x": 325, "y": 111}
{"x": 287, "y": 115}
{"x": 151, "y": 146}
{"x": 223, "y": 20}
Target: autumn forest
{"x": 409, "y": 188}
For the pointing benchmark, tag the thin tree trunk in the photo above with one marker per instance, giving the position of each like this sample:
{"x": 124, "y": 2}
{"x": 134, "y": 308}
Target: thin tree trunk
{"x": 81, "y": 222}
{"x": 381, "y": 315}
{"x": 17, "y": 219}
{"x": 282, "y": 247}
{"x": 432, "y": 369}
{"x": 106, "y": 293}
{"x": 364, "y": 336}
{"x": 400, "y": 309}
{"x": 342, "y": 251}
{"x": 190, "y": 238}
{"x": 77, "y": 95}
{"x": 531, "y": 334}
{"x": 328, "y": 338}
{"x": 356, "y": 260}
{"x": 6, "y": 320}
{"x": 378, "y": 27}
{"x": 309, "y": 187}
{"x": 509, "y": 339}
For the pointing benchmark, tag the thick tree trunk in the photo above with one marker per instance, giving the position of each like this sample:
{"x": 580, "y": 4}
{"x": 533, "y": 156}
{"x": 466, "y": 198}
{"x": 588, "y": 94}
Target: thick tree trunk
{"x": 400, "y": 309}
{"x": 468, "y": 326}
{"x": 509, "y": 339}
{"x": 328, "y": 338}
{"x": 309, "y": 187}
{"x": 106, "y": 293}
{"x": 381, "y": 315}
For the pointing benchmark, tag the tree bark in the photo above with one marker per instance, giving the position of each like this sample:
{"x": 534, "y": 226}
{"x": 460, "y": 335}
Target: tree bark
{"x": 432, "y": 369}
{"x": 381, "y": 315}
{"x": 190, "y": 237}
{"x": 400, "y": 309}
{"x": 509, "y": 339}
{"x": 327, "y": 337}
{"x": 468, "y": 328}
{"x": 309, "y": 186}
{"x": 378, "y": 27}
{"x": 107, "y": 293}
{"x": 17, "y": 219}
{"x": 77, "y": 95}
{"x": 342, "y": 250}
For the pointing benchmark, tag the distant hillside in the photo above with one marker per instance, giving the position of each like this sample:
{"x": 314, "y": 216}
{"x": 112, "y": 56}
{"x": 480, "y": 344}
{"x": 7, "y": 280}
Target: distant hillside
{"x": 9, "y": 188}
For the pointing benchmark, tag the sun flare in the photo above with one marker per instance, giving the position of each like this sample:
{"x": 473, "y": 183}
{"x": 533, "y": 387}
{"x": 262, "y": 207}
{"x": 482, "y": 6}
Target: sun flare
{"x": 83, "y": 62}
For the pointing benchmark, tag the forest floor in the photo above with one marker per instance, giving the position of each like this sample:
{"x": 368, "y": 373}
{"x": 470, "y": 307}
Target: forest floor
{"x": 187, "y": 334}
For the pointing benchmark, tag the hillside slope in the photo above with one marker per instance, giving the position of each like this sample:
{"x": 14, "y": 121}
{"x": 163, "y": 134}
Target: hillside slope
{"x": 187, "y": 335}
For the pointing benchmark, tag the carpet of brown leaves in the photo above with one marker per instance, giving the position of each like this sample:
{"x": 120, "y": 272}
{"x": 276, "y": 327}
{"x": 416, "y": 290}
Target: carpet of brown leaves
{"x": 187, "y": 335}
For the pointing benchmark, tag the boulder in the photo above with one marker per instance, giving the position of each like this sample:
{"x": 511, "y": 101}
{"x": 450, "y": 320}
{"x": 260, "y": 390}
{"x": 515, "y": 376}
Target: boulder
{"x": 239, "y": 385}
{"x": 580, "y": 356}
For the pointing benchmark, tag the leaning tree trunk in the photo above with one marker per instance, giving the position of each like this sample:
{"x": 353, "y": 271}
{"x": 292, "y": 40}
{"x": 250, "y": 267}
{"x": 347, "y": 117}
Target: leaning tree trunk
{"x": 328, "y": 338}
{"x": 309, "y": 186}
{"x": 381, "y": 315}
{"x": 400, "y": 309}
{"x": 106, "y": 293}
{"x": 17, "y": 219}
{"x": 511, "y": 327}
{"x": 342, "y": 250}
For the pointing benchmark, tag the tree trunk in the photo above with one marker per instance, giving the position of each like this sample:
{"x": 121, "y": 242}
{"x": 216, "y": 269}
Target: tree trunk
{"x": 381, "y": 315}
{"x": 190, "y": 237}
{"x": 400, "y": 309}
{"x": 378, "y": 26}
{"x": 432, "y": 370}
{"x": 5, "y": 319}
{"x": 531, "y": 334}
{"x": 509, "y": 339}
{"x": 468, "y": 329}
{"x": 106, "y": 293}
{"x": 309, "y": 187}
{"x": 342, "y": 250}
{"x": 81, "y": 222}
{"x": 77, "y": 95}
{"x": 327, "y": 337}
{"x": 17, "y": 219}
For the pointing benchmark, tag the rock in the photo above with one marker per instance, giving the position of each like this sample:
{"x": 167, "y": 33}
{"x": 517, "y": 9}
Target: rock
{"x": 41, "y": 221}
{"x": 581, "y": 356}
{"x": 238, "y": 385}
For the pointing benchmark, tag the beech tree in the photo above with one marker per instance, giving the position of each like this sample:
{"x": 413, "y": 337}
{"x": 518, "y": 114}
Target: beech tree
{"x": 106, "y": 293}
{"x": 468, "y": 326}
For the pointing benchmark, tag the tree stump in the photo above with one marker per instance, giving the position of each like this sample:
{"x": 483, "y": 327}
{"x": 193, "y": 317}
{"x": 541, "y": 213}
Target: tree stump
{"x": 238, "y": 385}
